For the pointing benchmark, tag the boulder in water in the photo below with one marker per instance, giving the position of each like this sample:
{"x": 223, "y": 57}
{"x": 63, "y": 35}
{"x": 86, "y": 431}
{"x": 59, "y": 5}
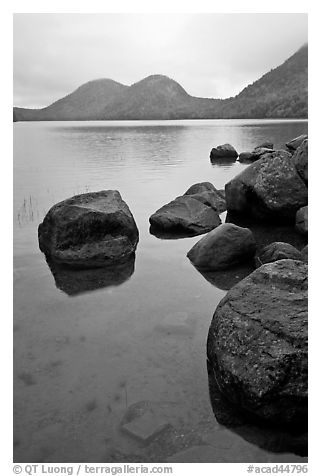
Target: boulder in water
{"x": 258, "y": 343}
{"x": 268, "y": 189}
{"x": 226, "y": 246}
{"x": 89, "y": 230}
{"x": 185, "y": 215}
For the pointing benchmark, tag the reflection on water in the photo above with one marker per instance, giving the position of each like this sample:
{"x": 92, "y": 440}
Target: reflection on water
{"x": 77, "y": 281}
{"x": 227, "y": 278}
{"x": 81, "y": 363}
{"x": 269, "y": 438}
{"x": 176, "y": 234}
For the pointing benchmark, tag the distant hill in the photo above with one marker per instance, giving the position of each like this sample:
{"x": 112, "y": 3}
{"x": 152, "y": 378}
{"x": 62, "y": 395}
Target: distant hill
{"x": 282, "y": 92}
{"x": 84, "y": 103}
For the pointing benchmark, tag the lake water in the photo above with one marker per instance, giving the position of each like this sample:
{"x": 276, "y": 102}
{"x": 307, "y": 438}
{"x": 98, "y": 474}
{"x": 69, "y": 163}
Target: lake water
{"x": 87, "y": 349}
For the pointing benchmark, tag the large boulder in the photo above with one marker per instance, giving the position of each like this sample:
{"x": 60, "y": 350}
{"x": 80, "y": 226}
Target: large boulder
{"x": 185, "y": 215}
{"x": 257, "y": 343}
{"x": 276, "y": 251}
{"x": 301, "y": 220}
{"x": 300, "y": 159}
{"x": 293, "y": 144}
{"x": 89, "y": 230}
{"x": 225, "y": 151}
{"x": 270, "y": 188}
{"x": 226, "y": 246}
{"x": 206, "y": 193}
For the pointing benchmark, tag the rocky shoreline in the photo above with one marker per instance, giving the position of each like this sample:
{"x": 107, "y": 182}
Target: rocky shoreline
{"x": 257, "y": 341}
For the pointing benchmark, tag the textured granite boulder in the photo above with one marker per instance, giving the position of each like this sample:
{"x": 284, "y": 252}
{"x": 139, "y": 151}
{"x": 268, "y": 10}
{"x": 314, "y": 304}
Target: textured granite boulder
{"x": 89, "y": 230}
{"x": 304, "y": 253}
{"x": 300, "y": 159}
{"x": 226, "y": 246}
{"x": 301, "y": 220}
{"x": 268, "y": 189}
{"x": 293, "y": 144}
{"x": 225, "y": 151}
{"x": 276, "y": 251}
{"x": 206, "y": 193}
{"x": 185, "y": 215}
{"x": 258, "y": 343}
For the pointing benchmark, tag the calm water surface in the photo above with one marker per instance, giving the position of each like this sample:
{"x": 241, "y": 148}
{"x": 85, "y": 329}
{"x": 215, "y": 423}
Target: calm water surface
{"x": 86, "y": 349}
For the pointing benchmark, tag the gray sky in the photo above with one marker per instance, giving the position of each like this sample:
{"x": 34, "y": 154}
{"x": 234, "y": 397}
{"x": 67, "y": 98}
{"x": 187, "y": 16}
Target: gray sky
{"x": 210, "y": 55}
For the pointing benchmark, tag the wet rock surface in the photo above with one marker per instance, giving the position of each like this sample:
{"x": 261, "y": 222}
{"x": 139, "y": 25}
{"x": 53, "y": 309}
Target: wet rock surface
{"x": 224, "y": 151}
{"x": 255, "y": 154}
{"x": 301, "y": 220}
{"x": 226, "y": 246}
{"x": 257, "y": 343}
{"x": 293, "y": 144}
{"x": 304, "y": 253}
{"x": 276, "y": 251}
{"x": 206, "y": 193}
{"x": 268, "y": 189}
{"x": 184, "y": 215}
{"x": 89, "y": 230}
{"x": 300, "y": 159}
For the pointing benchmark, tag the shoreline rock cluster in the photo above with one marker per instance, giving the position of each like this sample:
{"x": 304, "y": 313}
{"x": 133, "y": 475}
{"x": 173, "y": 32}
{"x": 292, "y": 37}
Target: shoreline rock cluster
{"x": 257, "y": 341}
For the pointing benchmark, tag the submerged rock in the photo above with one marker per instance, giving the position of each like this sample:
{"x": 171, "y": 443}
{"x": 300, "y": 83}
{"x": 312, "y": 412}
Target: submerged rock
{"x": 185, "y": 215}
{"x": 268, "y": 189}
{"x": 293, "y": 144}
{"x": 89, "y": 230}
{"x": 300, "y": 159}
{"x": 301, "y": 220}
{"x": 276, "y": 251}
{"x": 225, "y": 151}
{"x": 223, "y": 247}
{"x": 257, "y": 343}
{"x": 145, "y": 421}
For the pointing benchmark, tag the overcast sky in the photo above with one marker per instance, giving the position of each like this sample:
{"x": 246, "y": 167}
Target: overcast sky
{"x": 210, "y": 55}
